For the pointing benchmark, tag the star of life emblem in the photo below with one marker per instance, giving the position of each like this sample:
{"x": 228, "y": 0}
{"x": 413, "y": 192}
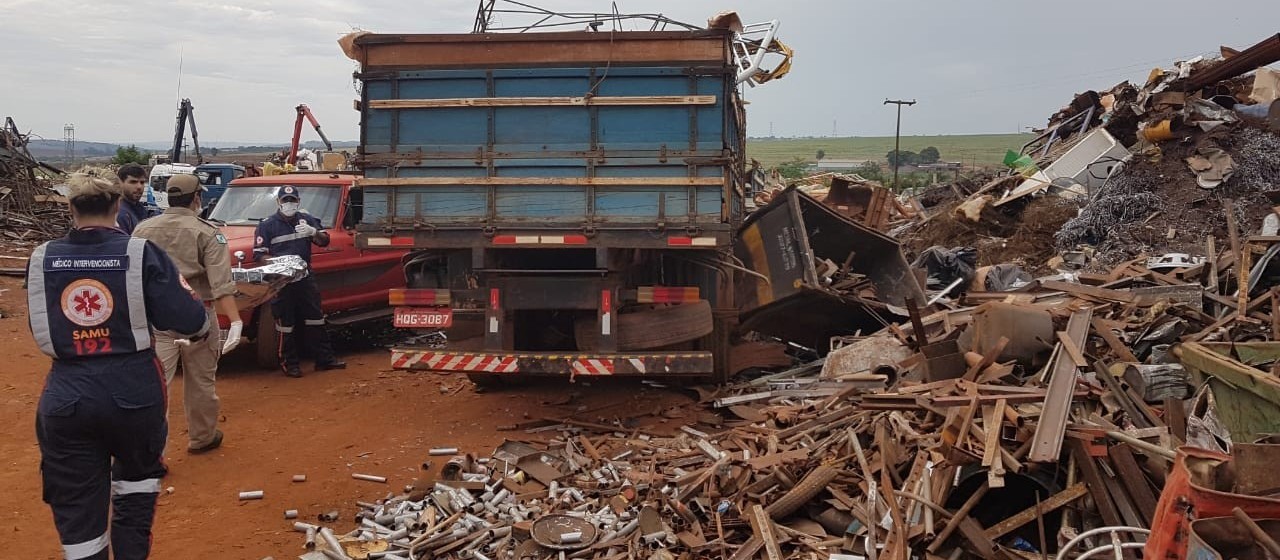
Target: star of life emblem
{"x": 87, "y": 303}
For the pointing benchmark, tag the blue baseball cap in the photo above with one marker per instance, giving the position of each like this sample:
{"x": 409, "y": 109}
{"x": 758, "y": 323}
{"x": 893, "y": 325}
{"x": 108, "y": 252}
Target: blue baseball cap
{"x": 288, "y": 191}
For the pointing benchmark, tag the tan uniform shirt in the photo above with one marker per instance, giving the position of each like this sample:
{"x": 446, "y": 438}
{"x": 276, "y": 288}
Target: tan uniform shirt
{"x": 196, "y": 246}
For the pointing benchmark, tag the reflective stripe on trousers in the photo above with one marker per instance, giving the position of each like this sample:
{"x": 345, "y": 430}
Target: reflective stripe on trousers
{"x": 148, "y": 486}
{"x": 86, "y": 549}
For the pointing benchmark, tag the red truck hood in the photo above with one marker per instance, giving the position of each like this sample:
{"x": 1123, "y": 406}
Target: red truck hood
{"x": 239, "y": 238}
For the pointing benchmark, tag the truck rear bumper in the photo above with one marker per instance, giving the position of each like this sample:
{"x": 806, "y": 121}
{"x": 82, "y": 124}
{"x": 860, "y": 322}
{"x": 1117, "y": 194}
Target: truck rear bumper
{"x": 626, "y": 364}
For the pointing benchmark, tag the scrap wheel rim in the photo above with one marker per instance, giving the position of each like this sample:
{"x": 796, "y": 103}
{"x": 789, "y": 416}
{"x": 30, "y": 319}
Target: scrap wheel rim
{"x": 548, "y": 528}
{"x": 1115, "y": 544}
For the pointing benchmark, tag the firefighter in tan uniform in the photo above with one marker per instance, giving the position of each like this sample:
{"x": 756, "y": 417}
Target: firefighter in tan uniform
{"x": 200, "y": 251}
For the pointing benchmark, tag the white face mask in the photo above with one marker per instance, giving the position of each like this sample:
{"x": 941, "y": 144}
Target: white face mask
{"x": 289, "y": 208}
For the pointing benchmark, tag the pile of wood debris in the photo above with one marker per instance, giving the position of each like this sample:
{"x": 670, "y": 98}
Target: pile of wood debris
{"x": 30, "y": 211}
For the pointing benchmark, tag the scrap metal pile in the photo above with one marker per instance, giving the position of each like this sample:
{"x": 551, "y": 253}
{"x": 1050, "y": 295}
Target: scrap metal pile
{"x": 29, "y": 210}
{"x": 1136, "y": 169}
{"x": 963, "y": 409}
{"x": 1000, "y": 425}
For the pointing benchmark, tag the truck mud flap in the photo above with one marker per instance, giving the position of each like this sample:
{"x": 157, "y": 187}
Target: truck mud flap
{"x": 628, "y": 364}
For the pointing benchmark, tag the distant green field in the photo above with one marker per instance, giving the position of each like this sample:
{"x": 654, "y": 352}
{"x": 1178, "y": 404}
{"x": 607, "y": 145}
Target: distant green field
{"x": 987, "y": 149}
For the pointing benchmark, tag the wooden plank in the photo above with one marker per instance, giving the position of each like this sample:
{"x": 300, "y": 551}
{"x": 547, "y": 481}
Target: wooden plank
{"x": 566, "y": 181}
{"x": 762, "y": 526}
{"x": 641, "y": 100}
{"x": 1028, "y": 515}
{"x": 1094, "y": 292}
{"x": 1121, "y": 351}
{"x": 1047, "y": 441}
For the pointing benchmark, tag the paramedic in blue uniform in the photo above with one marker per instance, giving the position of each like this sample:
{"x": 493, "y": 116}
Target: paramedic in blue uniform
{"x": 93, "y": 298}
{"x": 290, "y": 231}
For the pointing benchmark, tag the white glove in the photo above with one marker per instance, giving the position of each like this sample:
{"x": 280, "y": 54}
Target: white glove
{"x": 306, "y": 229}
{"x": 233, "y": 337}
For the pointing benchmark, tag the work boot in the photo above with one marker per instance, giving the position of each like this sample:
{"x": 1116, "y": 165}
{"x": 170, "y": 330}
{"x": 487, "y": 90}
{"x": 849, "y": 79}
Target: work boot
{"x": 332, "y": 364}
{"x": 293, "y": 371}
{"x": 216, "y": 443}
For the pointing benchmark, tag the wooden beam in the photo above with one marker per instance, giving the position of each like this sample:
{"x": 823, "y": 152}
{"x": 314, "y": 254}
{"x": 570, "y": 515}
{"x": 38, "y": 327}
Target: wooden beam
{"x": 1028, "y": 515}
{"x": 641, "y": 100}
{"x": 565, "y": 181}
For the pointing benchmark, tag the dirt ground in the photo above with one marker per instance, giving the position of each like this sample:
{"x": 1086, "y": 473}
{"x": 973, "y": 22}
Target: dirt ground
{"x": 366, "y": 419}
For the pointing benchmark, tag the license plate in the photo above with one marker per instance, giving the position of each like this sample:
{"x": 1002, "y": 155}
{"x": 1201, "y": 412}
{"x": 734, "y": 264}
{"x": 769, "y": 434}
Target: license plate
{"x": 423, "y": 318}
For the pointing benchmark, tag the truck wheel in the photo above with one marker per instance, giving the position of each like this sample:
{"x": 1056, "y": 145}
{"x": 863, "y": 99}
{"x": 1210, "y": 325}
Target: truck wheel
{"x": 267, "y": 344}
{"x": 652, "y": 328}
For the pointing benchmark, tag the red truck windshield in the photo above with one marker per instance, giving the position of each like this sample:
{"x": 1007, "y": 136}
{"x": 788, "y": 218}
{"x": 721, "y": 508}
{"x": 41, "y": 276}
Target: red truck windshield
{"x": 248, "y": 205}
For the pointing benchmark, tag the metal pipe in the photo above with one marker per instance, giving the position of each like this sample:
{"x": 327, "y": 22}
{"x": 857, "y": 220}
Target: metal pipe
{"x": 437, "y": 451}
{"x": 1156, "y": 450}
{"x": 331, "y": 541}
{"x": 754, "y": 68}
{"x": 310, "y": 542}
{"x": 290, "y": 514}
{"x": 251, "y": 495}
{"x": 369, "y": 477}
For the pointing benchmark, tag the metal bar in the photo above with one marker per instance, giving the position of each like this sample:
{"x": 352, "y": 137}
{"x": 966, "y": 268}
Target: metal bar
{"x": 451, "y": 102}
{"x": 566, "y": 181}
{"x": 1052, "y": 426}
{"x": 1028, "y": 515}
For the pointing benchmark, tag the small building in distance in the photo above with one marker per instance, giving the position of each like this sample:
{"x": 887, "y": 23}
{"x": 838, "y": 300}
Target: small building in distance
{"x": 828, "y": 165}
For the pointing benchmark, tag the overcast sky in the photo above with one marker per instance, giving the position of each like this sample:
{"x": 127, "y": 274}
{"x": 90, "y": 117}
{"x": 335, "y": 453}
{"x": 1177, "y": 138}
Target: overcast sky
{"x": 111, "y": 68}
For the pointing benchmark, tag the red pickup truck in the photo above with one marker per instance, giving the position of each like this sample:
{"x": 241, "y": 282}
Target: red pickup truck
{"x": 353, "y": 282}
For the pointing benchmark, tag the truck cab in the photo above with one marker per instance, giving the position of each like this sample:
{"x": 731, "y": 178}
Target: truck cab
{"x": 215, "y": 177}
{"x": 354, "y": 283}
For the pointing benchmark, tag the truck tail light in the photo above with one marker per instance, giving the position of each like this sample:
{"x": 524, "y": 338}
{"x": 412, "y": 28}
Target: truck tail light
{"x": 418, "y": 297}
{"x": 495, "y": 302}
{"x": 667, "y": 294}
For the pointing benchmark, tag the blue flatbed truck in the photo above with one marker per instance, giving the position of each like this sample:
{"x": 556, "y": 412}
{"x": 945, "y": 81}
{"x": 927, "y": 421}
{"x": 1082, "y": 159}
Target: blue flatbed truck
{"x": 569, "y": 198}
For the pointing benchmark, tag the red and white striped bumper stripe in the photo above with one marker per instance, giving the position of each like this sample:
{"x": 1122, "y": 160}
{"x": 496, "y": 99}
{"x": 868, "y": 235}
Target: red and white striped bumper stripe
{"x": 446, "y": 361}
{"x": 685, "y": 363}
{"x": 592, "y": 366}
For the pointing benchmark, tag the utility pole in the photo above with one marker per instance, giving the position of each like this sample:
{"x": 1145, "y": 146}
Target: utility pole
{"x": 897, "y": 138}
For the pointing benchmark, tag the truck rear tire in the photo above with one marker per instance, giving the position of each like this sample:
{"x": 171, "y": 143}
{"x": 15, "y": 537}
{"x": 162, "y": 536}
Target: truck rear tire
{"x": 267, "y": 344}
{"x": 652, "y": 328}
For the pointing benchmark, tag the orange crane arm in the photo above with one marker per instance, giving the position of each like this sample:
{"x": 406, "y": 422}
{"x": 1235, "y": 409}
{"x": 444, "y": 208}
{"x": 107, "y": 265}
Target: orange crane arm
{"x": 304, "y": 112}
